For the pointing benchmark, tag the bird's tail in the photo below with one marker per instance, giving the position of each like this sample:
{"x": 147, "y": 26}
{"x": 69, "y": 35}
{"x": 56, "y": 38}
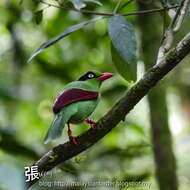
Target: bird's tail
{"x": 56, "y": 128}
{"x": 59, "y": 122}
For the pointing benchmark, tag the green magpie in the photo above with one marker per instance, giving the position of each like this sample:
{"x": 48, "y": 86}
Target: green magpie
{"x": 76, "y": 103}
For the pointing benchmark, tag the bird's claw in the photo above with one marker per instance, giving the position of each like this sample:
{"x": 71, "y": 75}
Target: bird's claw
{"x": 91, "y": 122}
{"x": 93, "y": 125}
{"x": 73, "y": 140}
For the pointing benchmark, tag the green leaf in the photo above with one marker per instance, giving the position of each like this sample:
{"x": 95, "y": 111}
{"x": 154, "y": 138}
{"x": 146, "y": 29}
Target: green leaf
{"x": 126, "y": 70}
{"x": 123, "y": 47}
{"x": 122, "y": 35}
{"x": 67, "y": 32}
{"x": 38, "y": 16}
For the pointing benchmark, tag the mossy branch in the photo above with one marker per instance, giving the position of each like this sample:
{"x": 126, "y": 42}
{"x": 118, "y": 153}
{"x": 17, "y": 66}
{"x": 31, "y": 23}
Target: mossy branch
{"x": 117, "y": 113}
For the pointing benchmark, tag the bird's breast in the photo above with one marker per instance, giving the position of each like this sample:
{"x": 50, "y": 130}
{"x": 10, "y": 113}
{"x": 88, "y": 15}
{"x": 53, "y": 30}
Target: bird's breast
{"x": 85, "y": 109}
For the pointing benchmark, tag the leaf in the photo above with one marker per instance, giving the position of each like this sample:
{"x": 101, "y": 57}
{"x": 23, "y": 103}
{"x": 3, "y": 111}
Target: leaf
{"x": 67, "y": 32}
{"x": 38, "y": 16}
{"x": 123, "y": 46}
{"x": 78, "y": 4}
{"x": 126, "y": 70}
{"x": 122, "y": 35}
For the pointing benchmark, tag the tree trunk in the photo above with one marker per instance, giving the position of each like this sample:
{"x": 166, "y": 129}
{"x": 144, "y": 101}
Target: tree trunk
{"x": 151, "y": 35}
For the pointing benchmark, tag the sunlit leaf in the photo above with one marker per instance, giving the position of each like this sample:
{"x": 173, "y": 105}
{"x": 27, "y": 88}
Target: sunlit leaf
{"x": 67, "y": 32}
{"x": 123, "y": 39}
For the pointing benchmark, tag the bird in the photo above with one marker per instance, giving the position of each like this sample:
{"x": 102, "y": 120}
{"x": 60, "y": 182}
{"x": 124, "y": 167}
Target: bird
{"x": 76, "y": 103}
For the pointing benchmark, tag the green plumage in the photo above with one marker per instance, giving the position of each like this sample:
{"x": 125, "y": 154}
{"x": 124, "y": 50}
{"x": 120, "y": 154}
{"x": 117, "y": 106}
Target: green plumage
{"x": 76, "y": 112}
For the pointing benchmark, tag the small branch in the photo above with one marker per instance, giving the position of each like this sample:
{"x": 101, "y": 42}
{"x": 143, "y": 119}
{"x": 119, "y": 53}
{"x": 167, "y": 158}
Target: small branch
{"x": 166, "y": 44}
{"x": 173, "y": 27}
{"x": 66, "y": 151}
{"x": 164, "y": 5}
{"x": 149, "y": 11}
{"x": 179, "y": 20}
{"x": 88, "y": 12}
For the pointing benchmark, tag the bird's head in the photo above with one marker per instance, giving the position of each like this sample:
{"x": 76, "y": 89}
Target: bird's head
{"x": 95, "y": 76}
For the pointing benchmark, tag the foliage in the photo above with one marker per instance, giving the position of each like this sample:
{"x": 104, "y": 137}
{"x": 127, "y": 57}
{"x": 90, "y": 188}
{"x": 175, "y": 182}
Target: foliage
{"x": 77, "y": 41}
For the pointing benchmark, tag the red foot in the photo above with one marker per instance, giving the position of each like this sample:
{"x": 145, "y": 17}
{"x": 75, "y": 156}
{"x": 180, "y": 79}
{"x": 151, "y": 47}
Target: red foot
{"x": 73, "y": 140}
{"x": 90, "y": 122}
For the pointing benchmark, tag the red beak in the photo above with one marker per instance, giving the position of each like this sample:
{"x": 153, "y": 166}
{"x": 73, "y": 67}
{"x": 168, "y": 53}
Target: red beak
{"x": 105, "y": 76}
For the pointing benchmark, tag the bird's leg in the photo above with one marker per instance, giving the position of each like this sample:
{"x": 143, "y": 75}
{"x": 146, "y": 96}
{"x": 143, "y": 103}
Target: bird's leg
{"x": 71, "y": 138}
{"x": 90, "y": 122}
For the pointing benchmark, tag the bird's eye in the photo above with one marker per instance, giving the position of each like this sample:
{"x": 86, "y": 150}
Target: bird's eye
{"x": 90, "y": 75}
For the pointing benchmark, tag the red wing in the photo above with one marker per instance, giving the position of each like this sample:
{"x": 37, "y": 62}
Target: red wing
{"x": 71, "y": 96}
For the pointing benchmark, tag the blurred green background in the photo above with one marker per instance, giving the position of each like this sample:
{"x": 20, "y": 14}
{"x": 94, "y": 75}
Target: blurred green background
{"x": 27, "y": 92}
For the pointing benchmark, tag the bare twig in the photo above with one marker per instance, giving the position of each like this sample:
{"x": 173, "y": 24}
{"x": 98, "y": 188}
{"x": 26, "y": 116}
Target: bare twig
{"x": 88, "y": 12}
{"x": 148, "y": 11}
{"x": 165, "y": 6}
{"x": 66, "y": 151}
{"x": 173, "y": 27}
{"x": 166, "y": 44}
{"x": 179, "y": 19}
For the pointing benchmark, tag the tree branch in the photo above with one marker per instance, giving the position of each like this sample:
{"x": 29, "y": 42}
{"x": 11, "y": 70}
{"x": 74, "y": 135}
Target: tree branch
{"x": 65, "y": 151}
{"x": 173, "y": 28}
{"x": 89, "y": 12}
{"x": 178, "y": 20}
